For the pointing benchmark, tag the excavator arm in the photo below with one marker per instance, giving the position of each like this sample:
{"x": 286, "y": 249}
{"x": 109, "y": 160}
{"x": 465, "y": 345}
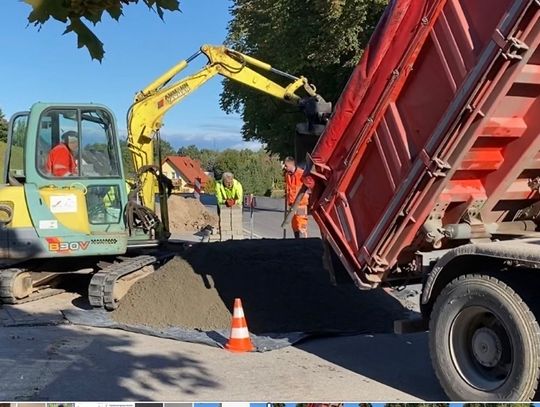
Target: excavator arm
{"x": 145, "y": 116}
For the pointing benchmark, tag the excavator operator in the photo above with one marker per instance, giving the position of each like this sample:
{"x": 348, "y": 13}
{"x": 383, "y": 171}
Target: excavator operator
{"x": 61, "y": 161}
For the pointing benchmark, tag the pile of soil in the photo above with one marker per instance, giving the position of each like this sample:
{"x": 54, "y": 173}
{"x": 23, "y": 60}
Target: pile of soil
{"x": 173, "y": 296}
{"x": 189, "y": 215}
{"x": 282, "y": 284}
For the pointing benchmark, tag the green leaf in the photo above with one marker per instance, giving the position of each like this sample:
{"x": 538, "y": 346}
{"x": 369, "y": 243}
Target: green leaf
{"x": 171, "y": 5}
{"x": 70, "y": 12}
{"x": 94, "y": 17}
{"x": 86, "y": 38}
{"x": 115, "y": 11}
{"x": 160, "y": 12}
{"x": 42, "y": 10}
{"x": 160, "y": 5}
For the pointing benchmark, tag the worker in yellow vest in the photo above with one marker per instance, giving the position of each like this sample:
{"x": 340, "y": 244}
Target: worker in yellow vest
{"x": 230, "y": 197}
{"x": 229, "y": 191}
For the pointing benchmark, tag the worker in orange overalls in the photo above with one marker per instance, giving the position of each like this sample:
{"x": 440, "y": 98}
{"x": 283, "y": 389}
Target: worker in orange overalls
{"x": 293, "y": 183}
{"x": 61, "y": 159}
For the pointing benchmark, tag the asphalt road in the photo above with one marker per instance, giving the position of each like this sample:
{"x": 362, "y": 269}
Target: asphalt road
{"x": 267, "y": 224}
{"x": 43, "y": 358}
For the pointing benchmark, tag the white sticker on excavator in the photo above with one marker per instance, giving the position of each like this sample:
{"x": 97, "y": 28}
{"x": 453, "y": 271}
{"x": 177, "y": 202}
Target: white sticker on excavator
{"x": 63, "y": 204}
{"x": 48, "y": 224}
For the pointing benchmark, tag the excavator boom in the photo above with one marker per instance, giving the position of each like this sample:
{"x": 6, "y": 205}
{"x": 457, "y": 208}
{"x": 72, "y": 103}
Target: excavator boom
{"x": 145, "y": 117}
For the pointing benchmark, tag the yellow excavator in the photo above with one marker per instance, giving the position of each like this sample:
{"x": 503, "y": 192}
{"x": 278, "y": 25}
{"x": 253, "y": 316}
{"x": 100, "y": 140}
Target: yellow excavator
{"x": 144, "y": 119}
{"x": 52, "y": 227}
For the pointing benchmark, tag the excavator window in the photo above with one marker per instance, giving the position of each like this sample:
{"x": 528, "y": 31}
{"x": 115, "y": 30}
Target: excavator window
{"x": 52, "y": 126}
{"x": 16, "y": 152}
{"x": 104, "y": 204}
{"x": 99, "y": 155}
{"x": 77, "y": 143}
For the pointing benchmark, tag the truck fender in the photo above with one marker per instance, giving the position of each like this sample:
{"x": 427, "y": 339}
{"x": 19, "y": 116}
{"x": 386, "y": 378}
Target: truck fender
{"x": 475, "y": 257}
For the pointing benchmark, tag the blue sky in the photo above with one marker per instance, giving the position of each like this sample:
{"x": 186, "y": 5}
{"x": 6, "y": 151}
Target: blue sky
{"x": 46, "y": 66}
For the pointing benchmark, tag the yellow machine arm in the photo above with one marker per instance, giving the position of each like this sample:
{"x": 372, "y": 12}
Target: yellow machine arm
{"x": 146, "y": 114}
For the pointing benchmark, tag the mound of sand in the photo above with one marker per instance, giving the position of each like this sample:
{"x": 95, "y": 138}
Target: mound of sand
{"x": 188, "y": 215}
{"x": 174, "y": 295}
{"x": 282, "y": 285}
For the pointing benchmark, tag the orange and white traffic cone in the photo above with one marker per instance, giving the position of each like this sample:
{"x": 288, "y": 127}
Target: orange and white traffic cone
{"x": 239, "y": 340}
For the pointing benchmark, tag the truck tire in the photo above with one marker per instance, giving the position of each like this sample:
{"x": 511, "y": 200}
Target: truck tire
{"x": 484, "y": 341}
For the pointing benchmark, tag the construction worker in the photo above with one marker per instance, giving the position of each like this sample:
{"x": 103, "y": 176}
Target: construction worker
{"x": 230, "y": 195}
{"x": 111, "y": 204}
{"x": 61, "y": 161}
{"x": 293, "y": 183}
{"x": 229, "y": 191}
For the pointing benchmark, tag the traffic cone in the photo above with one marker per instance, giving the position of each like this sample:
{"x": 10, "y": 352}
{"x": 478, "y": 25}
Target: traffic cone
{"x": 239, "y": 340}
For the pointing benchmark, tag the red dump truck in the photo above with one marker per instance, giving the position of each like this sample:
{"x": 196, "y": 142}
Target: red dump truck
{"x": 429, "y": 168}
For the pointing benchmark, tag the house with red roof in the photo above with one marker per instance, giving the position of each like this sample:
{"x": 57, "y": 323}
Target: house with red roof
{"x": 183, "y": 171}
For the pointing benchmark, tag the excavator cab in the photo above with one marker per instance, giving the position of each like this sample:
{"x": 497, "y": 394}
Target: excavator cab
{"x": 49, "y": 209}
{"x": 64, "y": 199}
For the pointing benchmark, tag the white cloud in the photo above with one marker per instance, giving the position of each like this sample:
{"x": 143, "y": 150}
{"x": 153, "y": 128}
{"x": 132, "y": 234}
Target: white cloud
{"x": 250, "y": 145}
{"x": 198, "y": 137}
{"x": 213, "y": 135}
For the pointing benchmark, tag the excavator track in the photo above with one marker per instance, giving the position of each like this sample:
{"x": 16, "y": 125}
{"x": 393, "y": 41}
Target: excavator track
{"x": 8, "y": 293}
{"x": 101, "y": 291}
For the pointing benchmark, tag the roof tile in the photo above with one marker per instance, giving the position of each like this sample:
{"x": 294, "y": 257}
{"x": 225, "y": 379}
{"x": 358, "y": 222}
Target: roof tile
{"x": 189, "y": 168}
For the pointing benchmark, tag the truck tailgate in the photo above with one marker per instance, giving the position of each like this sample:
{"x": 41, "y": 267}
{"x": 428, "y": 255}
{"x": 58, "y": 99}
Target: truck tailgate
{"x": 439, "y": 122}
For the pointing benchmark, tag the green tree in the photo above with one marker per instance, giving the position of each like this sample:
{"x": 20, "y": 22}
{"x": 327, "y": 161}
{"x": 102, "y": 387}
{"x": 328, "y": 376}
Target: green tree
{"x": 205, "y": 156}
{"x": 3, "y": 127}
{"x": 78, "y": 14}
{"x": 191, "y": 151}
{"x": 19, "y": 132}
{"x": 323, "y": 44}
{"x": 166, "y": 149}
{"x": 208, "y": 159}
{"x": 127, "y": 161}
{"x": 210, "y": 186}
{"x": 258, "y": 172}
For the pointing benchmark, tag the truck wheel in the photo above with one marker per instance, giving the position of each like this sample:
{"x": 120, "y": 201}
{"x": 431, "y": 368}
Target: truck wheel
{"x": 484, "y": 341}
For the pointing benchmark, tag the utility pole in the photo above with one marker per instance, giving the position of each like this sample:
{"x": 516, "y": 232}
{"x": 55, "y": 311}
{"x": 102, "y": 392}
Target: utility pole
{"x": 286, "y": 204}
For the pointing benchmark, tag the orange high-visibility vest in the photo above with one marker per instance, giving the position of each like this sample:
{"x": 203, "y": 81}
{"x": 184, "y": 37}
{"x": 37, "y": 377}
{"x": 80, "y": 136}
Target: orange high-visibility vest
{"x": 294, "y": 183}
{"x": 60, "y": 161}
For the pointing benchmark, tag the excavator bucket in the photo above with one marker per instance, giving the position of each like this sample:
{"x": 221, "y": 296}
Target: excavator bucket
{"x": 317, "y": 111}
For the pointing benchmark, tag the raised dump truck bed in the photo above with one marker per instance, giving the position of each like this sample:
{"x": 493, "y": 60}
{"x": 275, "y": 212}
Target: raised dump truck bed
{"x": 430, "y": 167}
{"x": 438, "y": 126}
